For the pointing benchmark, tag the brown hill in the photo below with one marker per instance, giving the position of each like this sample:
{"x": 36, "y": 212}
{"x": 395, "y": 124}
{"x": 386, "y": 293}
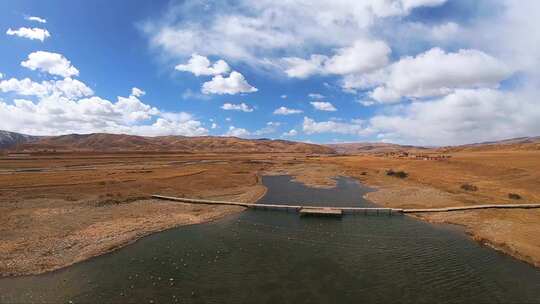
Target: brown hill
{"x": 122, "y": 143}
{"x": 513, "y": 144}
{"x": 356, "y": 148}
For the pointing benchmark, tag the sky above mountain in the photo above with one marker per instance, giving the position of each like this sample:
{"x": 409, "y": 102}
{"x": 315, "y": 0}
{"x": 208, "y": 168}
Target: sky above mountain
{"x": 427, "y": 72}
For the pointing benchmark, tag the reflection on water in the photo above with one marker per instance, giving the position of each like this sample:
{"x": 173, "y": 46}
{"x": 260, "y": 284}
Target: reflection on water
{"x": 278, "y": 257}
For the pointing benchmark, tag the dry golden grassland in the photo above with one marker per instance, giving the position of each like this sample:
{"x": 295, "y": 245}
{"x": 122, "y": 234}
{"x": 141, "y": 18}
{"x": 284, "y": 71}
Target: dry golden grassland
{"x": 59, "y": 209}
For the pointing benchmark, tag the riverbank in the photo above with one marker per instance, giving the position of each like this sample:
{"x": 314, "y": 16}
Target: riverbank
{"x": 54, "y": 219}
{"x": 436, "y": 184}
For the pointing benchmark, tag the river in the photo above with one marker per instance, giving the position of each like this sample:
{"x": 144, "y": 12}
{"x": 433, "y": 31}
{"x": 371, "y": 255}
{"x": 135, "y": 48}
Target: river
{"x": 278, "y": 257}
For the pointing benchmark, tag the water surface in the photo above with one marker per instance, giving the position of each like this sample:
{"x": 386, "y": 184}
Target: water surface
{"x": 278, "y": 257}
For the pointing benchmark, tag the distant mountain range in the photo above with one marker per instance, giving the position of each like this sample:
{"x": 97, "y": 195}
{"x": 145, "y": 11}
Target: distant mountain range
{"x": 356, "y": 148}
{"x": 120, "y": 142}
{"x": 12, "y": 139}
{"x": 518, "y": 143}
{"x": 205, "y": 144}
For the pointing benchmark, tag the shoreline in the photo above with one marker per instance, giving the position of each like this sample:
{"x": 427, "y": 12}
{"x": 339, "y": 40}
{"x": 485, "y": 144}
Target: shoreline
{"x": 120, "y": 241}
{"x": 123, "y": 244}
{"x": 382, "y": 190}
{"x": 470, "y": 232}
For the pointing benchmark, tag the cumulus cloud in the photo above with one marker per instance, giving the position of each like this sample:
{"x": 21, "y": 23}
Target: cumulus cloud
{"x": 200, "y": 65}
{"x": 310, "y": 126}
{"x": 362, "y": 57}
{"x": 137, "y": 92}
{"x": 286, "y": 111}
{"x": 436, "y": 72}
{"x": 464, "y": 116}
{"x": 432, "y": 73}
{"x": 290, "y": 133}
{"x": 234, "y": 84}
{"x": 67, "y": 106}
{"x": 271, "y": 127}
{"x": 67, "y": 87}
{"x": 36, "y": 19}
{"x": 315, "y": 96}
{"x": 52, "y": 63}
{"x": 30, "y": 33}
{"x": 302, "y": 68}
{"x": 253, "y": 31}
{"x": 70, "y": 88}
{"x": 237, "y": 132}
{"x": 237, "y": 107}
{"x": 323, "y": 106}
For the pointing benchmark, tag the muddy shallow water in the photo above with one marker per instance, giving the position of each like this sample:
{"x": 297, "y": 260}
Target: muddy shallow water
{"x": 278, "y": 257}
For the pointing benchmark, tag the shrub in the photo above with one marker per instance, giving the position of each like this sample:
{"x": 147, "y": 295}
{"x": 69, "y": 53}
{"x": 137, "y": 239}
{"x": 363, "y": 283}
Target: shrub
{"x": 399, "y": 174}
{"x": 514, "y": 196}
{"x": 469, "y": 187}
{"x": 402, "y": 174}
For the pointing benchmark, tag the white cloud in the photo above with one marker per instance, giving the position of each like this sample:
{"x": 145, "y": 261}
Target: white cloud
{"x": 323, "y": 106}
{"x": 52, "y": 63}
{"x": 25, "y": 87}
{"x": 1, "y": 75}
{"x": 237, "y": 107}
{"x": 36, "y": 19}
{"x": 303, "y": 68}
{"x": 315, "y": 96}
{"x": 283, "y": 96}
{"x": 190, "y": 94}
{"x": 251, "y": 31}
{"x": 286, "y": 111}
{"x": 366, "y": 103}
{"x": 362, "y": 57}
{"x": 290, "y": 133}
{"x": 200, "y": 65}
{"x": 353, "y": 82}
{"x": 271, "y": 127}
{"x": 436, "y": 72}
{"x": 234, "y": 84}
{"x": 214, "y": 126}
{"x": 311, "y": 126}
{"x": 30, "y": 33}
{"x": 67, "y": 87}
{"x": 464, "y": 116}
{"x": 237, "y": 132}
{"x": 55, "y": 114}
{"x": 432, "y": 73}
{"x": 445, "y": 31}
{"x": 70, "y": 88}
{"x": 137, "y": 92}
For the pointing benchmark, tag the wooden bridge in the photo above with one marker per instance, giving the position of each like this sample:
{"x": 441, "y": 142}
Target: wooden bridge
{"x": 339, "y": 211}
{"x": 302, "y": 210}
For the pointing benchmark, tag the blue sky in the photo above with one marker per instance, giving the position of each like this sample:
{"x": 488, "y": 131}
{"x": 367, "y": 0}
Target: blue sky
{"x": 430, "y": 72}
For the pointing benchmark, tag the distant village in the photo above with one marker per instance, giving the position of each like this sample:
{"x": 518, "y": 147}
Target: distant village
{"x": 414, "y": 156}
